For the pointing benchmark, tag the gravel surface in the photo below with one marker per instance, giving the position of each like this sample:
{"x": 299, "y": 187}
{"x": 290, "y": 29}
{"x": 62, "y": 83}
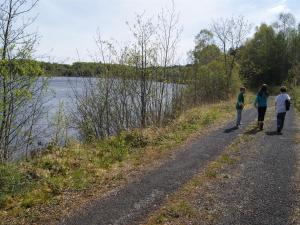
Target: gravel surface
{"x": 261, "y": 190}
{"x": 133, "y": 203}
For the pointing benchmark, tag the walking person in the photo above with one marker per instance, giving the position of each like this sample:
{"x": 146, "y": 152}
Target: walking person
{"x": 261, "y": 103}
{"x": 240, "y": 106}
{"x": 282, "y": 104}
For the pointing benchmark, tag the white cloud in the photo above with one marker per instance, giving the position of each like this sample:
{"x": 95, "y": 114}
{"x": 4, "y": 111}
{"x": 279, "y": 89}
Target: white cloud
{"x": 283, "y": 7}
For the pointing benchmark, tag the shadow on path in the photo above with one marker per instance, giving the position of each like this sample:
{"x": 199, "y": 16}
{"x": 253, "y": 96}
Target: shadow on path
{"x": 253, "y": 131}
{"x": 273, "y": 133}
{"x": 230, "y": 130}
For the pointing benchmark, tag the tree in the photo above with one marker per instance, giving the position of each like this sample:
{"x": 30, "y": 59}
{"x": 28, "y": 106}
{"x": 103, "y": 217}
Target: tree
{"x": 262, "y": 58}
{"x": 167, "y": 35}
{"x": 18, "y": 76}
{"x": 143, "y": 93}
{"x": 230, "y": 34}
{"x": 143, "y": 31}
{"x": 203, "y": 39}
{"x": 294, "y": 55}
{"x": 272, "y": 55}
{"x": 205, "y": 49}
{"x": 286, "y": 22}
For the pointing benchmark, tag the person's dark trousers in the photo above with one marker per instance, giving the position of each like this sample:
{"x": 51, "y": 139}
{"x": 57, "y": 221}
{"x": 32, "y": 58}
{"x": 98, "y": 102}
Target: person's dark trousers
{"x": 261, "y": 116}
{"x": 261, "y": 113}
{"x": 280, "y": 121}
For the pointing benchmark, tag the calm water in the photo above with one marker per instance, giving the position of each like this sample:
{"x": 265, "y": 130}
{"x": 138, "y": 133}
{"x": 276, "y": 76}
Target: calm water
{"x": 61, "y": 90}
{"x": 60, "y": 93}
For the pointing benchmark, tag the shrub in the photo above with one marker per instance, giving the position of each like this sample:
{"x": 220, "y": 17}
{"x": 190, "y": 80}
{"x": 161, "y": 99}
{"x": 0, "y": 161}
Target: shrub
{"x": 136, "y": 139}
{"x": 12, "y": 182}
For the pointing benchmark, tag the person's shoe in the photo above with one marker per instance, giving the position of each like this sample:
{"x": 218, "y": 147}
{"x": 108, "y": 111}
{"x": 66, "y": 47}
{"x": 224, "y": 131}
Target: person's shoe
{"x": 261, "y": 125}
{"x": 258, "y": 124}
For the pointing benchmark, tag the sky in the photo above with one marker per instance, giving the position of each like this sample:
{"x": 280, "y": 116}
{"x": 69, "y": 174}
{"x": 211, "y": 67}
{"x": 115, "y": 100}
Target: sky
{"x": 68, "y": 28}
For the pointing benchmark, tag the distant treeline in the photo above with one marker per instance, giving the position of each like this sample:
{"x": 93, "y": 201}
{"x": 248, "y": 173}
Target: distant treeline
{"x": 77, "y": 69}
{"x": 92, "y": 69}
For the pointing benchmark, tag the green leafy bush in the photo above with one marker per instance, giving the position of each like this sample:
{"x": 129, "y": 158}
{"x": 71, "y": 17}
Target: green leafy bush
{"x": 136, "y": 139}
{"x": 12, "y": 182}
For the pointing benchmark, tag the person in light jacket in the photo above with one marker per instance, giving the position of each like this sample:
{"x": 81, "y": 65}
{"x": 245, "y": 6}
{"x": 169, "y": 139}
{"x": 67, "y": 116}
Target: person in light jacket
{"x": 282, "y": 104}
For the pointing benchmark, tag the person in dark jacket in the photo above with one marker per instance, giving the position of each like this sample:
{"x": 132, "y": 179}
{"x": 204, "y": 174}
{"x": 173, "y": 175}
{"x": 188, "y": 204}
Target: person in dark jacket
{"x": 261, "y": 103}
{"x": 240, "y": 106}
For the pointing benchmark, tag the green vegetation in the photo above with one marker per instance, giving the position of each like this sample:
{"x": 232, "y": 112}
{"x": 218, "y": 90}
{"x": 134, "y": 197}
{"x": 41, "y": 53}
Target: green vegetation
{"x": 20, "y": 95}
{"x": 296, "y": 97}
{"x": 222, "y": 61}
{"x": 77, "y": 69}
{"x": 98, "y": 69}
{"x": 272, "y": 55}
{"x": 25, "y": 186}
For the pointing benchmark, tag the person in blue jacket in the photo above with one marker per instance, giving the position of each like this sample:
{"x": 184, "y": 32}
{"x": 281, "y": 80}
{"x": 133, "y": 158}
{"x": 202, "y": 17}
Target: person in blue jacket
{"x": 261, "y": 103}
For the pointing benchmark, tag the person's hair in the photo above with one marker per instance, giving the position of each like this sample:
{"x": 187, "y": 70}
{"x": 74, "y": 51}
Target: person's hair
{"x": 242, "y": 89}
{"x": 283, "y": 89}
{"x": 263, "y": 90}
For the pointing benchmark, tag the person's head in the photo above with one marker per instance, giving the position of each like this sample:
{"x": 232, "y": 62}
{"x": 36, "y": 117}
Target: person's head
{"x": 283, "y": 89}
{"x": 242, "y": 90}
{"x": 264, "y": 88}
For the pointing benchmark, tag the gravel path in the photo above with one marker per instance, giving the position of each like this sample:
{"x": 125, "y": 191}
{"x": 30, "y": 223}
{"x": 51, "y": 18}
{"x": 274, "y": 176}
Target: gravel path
{"x": 134, "y": 202}
{"x": 263, "y": 191}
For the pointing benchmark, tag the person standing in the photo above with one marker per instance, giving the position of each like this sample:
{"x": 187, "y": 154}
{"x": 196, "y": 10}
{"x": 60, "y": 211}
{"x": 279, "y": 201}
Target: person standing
{"x": 282, "y": 104}
{"x": 261, "y": 103}
{"x": 240, "y": 106}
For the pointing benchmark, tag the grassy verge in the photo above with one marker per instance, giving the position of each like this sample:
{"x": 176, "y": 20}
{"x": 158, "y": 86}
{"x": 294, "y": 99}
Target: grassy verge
{"x": 296, "y": 100}
{"x": 53, "y": 184}
{"x": 296, "y": 97}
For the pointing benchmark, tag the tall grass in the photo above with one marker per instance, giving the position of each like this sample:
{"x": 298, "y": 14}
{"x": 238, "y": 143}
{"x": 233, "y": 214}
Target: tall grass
{"x": 296, "y": 97}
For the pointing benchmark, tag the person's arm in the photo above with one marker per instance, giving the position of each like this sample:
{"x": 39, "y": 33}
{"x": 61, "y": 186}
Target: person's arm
{"x": 243, "y": 101}
{"x": 256, "y": 102}
{"x": 239, "y": 99}
{"x": 240, "y": 103}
